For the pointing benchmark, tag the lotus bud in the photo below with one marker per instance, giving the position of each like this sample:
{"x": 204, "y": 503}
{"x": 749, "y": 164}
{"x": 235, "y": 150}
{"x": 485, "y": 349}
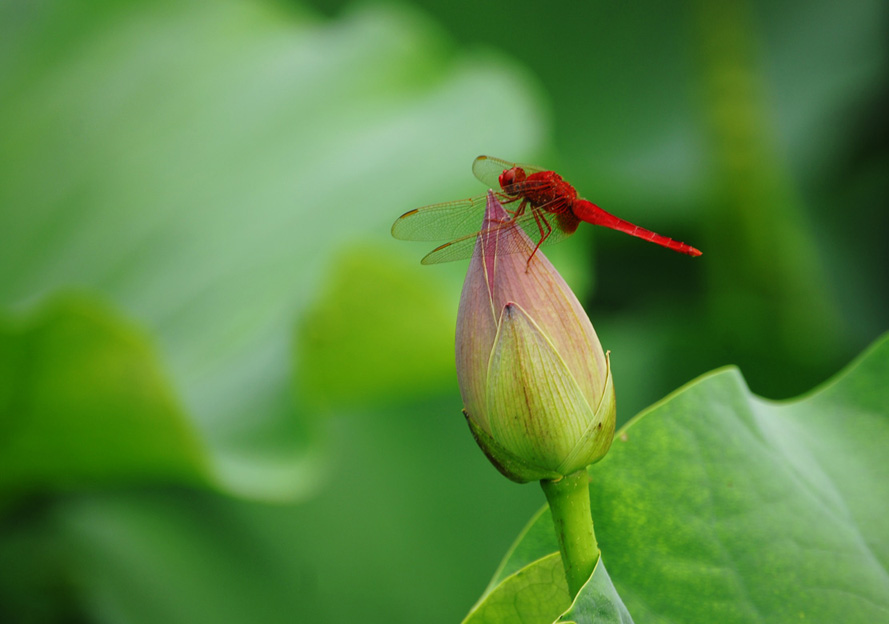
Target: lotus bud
{"x": 535, "y": 382}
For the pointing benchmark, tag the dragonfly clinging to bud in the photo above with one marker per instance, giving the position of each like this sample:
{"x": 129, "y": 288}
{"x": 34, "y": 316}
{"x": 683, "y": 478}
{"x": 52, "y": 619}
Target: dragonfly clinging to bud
{"x": 543, "y": 204}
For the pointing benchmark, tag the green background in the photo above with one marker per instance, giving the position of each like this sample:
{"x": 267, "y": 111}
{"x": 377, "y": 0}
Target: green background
{"x": 226, "y": 394}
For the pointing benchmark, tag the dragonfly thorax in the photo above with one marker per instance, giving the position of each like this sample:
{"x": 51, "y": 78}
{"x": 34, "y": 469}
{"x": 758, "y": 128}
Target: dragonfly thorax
{"x": 547, "y": 190}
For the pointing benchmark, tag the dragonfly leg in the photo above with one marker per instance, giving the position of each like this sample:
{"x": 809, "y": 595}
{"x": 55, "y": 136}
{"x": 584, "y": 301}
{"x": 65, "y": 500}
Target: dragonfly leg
{"x": 545, "y": 230}
{"x": 518, "y": 212}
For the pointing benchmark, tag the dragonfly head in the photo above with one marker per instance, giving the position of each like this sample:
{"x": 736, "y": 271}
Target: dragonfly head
{"x": 511, "y": 176}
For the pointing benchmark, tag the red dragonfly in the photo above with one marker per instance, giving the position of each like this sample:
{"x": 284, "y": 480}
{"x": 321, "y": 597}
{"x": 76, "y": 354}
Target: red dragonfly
{"x": 544, "y": 205}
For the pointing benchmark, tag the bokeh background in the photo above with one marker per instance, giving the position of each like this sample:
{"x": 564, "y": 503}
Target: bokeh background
{"x": 226, "y": 394}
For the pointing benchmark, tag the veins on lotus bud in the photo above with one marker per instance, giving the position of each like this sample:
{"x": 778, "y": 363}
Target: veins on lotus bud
{"x": 536, "y": 384}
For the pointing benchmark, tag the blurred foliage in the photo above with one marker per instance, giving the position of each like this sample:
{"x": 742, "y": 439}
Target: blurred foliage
{"x": 405, "y": 353}
{"x": 194, "y": 182}
{"x": 718, "y": 506}
{"x": 214, "y": 181}
{"x": 76, "y": 380}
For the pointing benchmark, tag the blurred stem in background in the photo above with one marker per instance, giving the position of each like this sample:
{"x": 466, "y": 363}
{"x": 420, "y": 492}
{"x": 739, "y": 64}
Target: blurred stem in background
{"x": 768, "y": 266}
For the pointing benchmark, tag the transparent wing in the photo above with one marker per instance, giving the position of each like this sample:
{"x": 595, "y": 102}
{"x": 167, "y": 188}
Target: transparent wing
{"x": 488, "y": 169}
{"x": 455, "y": 219}
{"x": 533, "y": 225}
{"x": 442, "y": 221}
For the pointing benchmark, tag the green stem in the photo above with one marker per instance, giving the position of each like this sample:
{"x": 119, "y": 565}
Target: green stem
{"x": 569, "y": 503}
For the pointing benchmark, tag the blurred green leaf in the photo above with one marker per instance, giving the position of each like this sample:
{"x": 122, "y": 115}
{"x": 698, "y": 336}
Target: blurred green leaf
{"x": 178, "y": 555}
{"x": 83, "y": 403}
{"x": 716, "y": 505}
{"x": 174, "y": 557}
{"x": 380, "y": 331}
{"x": 199, "y": 164}
{"x": 34, "y": 587}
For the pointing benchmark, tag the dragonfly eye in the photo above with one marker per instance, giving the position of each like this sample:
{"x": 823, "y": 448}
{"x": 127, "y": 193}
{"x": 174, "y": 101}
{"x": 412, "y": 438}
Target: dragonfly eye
{"x": 511, "y": 176}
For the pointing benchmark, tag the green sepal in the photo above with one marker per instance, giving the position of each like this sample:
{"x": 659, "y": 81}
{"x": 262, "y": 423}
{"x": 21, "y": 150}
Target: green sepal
{"x": 510, "y": 465}
{"x": 599, "y": 435}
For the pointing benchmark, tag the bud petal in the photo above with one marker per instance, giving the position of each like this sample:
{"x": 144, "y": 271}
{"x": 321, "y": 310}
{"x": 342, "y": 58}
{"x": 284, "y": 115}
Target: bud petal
{"x": 544, "y": 409}
{"x": 509, "y": 464}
